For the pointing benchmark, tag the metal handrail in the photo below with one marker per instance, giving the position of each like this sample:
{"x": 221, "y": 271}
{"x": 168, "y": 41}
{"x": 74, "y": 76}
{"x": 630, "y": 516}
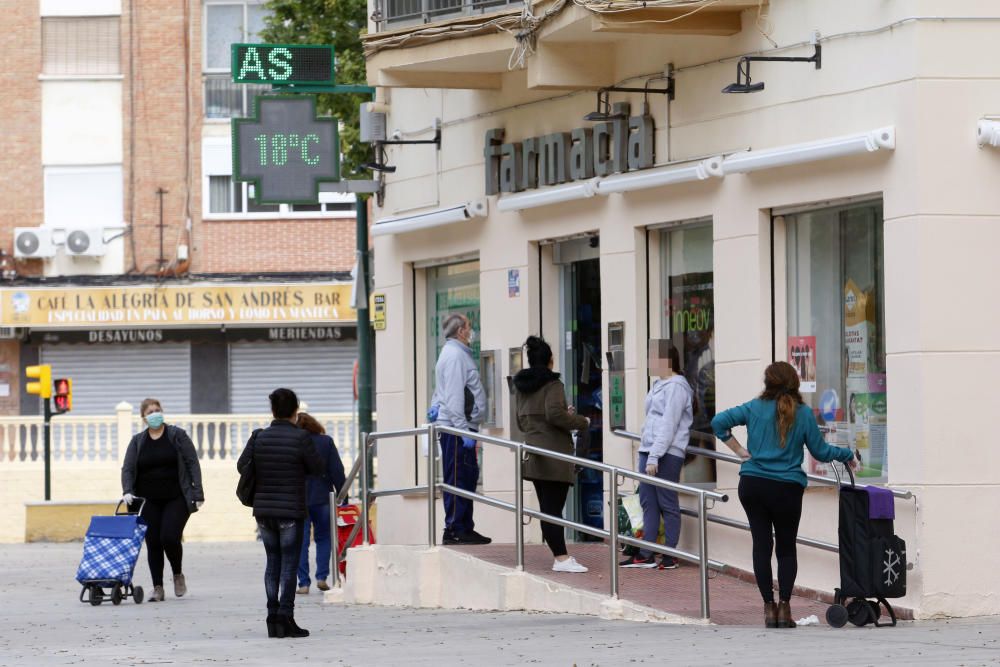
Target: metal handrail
{"x": 520, "y": 449}
{"x": 742, "y": 525}
{"x": 819, "y": 479}
{"x": 732, "y": 458}
{"x": 337, "y": 498}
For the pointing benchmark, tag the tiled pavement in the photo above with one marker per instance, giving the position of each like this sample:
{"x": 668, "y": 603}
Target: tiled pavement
{"x": 731, "y": 600}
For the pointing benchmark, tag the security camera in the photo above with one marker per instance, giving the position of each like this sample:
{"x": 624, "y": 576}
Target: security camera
{"x": 396, "y": 135}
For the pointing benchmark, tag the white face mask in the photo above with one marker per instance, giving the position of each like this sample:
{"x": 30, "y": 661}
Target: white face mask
{"x": 472, "y": 336}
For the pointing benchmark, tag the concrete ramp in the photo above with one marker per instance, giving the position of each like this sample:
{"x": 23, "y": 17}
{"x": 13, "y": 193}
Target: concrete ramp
{"x": 444, "y": 578}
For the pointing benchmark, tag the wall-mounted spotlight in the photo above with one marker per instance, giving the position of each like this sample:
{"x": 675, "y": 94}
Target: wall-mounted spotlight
{"x": 378, "y": 166}
{"x": 744, "y": 84}
{"x": 604, "y": 112}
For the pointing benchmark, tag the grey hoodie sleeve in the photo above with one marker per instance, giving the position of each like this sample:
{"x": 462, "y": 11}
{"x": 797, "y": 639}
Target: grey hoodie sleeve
{"x": 668, "y": 407}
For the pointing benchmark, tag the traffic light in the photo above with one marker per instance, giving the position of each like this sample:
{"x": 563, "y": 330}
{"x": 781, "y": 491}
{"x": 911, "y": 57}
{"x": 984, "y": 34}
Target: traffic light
{"x": 43, "y": 375}
{"x": 63, "y": 394}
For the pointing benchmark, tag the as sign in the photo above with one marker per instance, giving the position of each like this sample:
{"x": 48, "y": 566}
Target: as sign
{"x": 282, "y": 64}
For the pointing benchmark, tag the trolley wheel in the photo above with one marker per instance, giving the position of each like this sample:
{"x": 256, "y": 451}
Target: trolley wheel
{"x": 137, "y": 595}
{"x": 96, "y": 595}
{"x": 862, "y": 612}
{"x": 116, "y": 595}
{"x": 836, "y": 615}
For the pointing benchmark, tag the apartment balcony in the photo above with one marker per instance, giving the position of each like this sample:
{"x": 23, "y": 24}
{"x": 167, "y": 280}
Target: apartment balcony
{"x": 572, "y": 45}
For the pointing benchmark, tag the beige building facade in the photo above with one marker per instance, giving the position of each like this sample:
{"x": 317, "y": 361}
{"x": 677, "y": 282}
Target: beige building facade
{"x": 844, "y": 218}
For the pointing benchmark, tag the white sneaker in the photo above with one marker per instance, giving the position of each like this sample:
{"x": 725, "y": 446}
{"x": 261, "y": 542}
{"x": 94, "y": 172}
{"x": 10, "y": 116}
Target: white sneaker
{"x": 568, "y": 565}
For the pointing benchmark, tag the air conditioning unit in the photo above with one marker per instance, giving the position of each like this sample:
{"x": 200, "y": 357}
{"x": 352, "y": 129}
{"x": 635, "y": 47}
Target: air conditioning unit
{"x": 33, "y": 242}
{"x": 85, "y": 242}
{"x": 11, "y": 333}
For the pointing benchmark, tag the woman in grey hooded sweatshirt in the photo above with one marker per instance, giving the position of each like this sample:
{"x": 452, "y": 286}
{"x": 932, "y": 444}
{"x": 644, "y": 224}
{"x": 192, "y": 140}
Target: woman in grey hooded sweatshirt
{"x": 665, "y": 434}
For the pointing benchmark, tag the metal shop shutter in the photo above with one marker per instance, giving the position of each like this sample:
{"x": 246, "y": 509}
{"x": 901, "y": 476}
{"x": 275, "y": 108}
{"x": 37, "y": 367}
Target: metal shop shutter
{"x": 319, "y": 373}
{"x": 105, "y": 375}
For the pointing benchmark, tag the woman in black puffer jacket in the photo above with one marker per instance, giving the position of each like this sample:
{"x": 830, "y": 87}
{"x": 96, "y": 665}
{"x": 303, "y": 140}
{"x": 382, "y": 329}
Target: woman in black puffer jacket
{"x": 282, "y": 455}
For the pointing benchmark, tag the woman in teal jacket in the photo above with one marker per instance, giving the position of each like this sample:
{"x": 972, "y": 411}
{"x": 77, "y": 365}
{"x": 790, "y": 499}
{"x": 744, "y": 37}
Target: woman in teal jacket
{"x": 771, "y": 478}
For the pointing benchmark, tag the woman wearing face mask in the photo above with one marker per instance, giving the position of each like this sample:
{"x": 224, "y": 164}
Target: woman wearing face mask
{"x": 161, "y": 465}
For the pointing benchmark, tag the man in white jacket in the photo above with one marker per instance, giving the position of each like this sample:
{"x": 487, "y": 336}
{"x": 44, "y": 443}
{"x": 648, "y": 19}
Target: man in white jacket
{"x": 459, "y": 401}
{"x": 665, "y": 435}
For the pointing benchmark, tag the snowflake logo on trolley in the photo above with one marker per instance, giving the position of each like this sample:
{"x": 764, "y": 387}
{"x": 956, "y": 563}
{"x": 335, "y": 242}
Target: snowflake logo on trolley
{"x": 891, "y": 567}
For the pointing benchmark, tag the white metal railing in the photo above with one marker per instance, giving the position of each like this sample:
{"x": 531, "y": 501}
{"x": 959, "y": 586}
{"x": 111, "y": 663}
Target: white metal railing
{"x": 705, "y": 501}
{"x": 85, "y": 438}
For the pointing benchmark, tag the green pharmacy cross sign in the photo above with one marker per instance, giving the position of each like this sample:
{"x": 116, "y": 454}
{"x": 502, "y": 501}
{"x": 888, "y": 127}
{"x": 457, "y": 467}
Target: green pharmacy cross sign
{"x": 283, "y": 64}
{"x": 285, "y": 150}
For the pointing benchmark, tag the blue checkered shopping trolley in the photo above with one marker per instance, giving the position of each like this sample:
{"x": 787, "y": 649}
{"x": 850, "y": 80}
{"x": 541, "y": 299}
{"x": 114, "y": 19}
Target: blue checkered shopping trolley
{"x": 110, "y": 552}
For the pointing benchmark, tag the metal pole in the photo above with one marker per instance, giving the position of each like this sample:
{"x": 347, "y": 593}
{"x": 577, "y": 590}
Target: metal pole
{"x": 334, "y": 541}
{"x": 518, "y": 509}
{"x": 614, "y": 534}
{"x": 47, "y": 432}
{"x": 431, "y": 485}
{"x": 364, "y": 328}
{"x": 162, "y": 261}
{"x": 364, "y": 488}
{"x": 703, "y": 554}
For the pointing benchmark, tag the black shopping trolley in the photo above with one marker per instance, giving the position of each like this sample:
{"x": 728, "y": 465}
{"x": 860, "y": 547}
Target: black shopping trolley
{"x": 872, "y": 561}
{"x": 110, "y": 551}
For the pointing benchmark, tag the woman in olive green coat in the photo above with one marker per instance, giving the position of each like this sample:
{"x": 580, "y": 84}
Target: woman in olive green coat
{"x": 545, "y": 421}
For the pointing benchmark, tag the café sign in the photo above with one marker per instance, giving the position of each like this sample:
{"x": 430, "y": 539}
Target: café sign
{"x": 618, "y": 145}
{"x": 176, "y": 305}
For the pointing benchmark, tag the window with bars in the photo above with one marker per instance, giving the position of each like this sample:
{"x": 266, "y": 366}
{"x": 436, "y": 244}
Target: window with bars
{"x": 402, "y": 12}
{"x": 80, "y": 45}
{"x": 229, "y": 23}
{"x": 225, "y": 99}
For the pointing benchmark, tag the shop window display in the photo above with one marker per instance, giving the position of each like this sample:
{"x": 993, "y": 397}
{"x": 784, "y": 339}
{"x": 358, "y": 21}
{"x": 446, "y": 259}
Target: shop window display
{"x": 688, "y": 320}
{"x": 836, "y": 327}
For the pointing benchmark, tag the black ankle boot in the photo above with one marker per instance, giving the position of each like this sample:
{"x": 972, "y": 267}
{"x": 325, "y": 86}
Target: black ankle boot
{"x": 275, "y": 626}
{"x": 292, "y": 629}
{"x": 785, "y": 615}
{"x": 770, "y": 615}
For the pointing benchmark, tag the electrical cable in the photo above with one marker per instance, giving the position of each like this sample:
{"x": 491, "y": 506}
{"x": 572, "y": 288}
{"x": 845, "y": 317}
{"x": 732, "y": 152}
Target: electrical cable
{"x": 527, "y": 25}
{"x": 723, "y": 60}
{"x": 763, "y": 23}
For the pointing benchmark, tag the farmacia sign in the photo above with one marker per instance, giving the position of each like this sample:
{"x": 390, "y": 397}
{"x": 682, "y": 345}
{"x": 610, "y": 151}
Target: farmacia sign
{"x": 617, "y": 145}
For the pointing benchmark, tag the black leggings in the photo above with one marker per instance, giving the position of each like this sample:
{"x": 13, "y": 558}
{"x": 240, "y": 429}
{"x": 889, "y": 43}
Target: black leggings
{"x": 166, "y": 520}
{"x": 551, "y": 499}
{"x": 773, "y": 505}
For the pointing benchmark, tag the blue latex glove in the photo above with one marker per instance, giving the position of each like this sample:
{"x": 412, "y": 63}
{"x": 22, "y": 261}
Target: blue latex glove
{"x": 432, "y": 413}
{"x": 468, "y": 443}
